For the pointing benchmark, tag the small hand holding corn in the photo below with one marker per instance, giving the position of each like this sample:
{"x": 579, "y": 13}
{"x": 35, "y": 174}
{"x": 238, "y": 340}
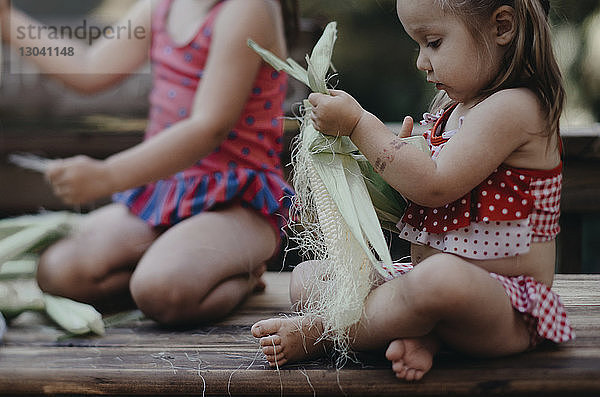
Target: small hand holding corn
{"x": 79, "y": 179}
{"x": 335, "y": 114}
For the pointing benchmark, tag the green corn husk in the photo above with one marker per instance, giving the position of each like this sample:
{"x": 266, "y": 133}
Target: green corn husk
{"x": 24, "y": 266}
{"x": 22, "y": 239}
{"x": 359, "y": 192}
{"x": 18, "y": 296}
{"x": 75, "y": 317}
{"x": 30, "y": 233}
{"x": 21, "y": 295}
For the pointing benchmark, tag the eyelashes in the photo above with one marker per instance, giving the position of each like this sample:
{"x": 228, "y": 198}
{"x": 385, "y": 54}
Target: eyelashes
{"x": 434, "y": 43}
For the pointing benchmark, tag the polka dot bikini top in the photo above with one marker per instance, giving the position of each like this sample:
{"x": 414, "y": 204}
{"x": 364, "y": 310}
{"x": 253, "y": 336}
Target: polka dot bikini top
{"x": 500, "y": 217}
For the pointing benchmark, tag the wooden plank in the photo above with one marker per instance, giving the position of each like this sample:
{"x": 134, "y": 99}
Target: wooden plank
{"x": 142, "y": 358}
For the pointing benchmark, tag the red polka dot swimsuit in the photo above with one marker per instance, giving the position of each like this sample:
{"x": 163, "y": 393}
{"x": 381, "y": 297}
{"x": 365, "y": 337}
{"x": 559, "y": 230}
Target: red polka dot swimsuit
{"x": 498, "y": 218}
{"x": 244, "y": 169}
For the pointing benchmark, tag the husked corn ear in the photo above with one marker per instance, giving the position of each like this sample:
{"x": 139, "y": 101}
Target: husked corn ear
{"x": 13, "y": 224}
{"x": 75, "y": 317}
{"x": 17, "y": 296}
{"x": 32, "y": 232}
{"x": 22, "y": 267}
{"x": 327, "y": 211}
{"x": 18, "y": 243}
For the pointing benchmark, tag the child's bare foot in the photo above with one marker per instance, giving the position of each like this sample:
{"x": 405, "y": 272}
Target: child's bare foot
{"x": 412, "y": 358}
{"x": 287, "y": 340}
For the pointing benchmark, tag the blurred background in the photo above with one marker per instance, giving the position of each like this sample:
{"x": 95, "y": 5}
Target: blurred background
{"x": 374, "y": 60}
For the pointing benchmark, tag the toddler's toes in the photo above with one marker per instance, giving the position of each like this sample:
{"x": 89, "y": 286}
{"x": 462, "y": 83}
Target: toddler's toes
{"x": 266, "y": 327}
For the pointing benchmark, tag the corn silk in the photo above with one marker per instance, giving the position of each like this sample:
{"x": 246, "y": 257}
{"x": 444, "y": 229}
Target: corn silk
{"x": 340, "y": 207}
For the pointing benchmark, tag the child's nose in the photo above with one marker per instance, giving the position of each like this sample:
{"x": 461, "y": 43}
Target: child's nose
{"x": 423, "y": 62}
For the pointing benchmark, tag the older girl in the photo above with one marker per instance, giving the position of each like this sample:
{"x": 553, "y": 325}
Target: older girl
{"x": 202, "y": 198}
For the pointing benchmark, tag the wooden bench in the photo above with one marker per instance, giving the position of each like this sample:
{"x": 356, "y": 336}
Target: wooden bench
{"x": 140, "y": 358}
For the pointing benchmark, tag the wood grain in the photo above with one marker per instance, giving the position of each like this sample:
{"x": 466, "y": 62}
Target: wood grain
{"x": 141, "y": 358}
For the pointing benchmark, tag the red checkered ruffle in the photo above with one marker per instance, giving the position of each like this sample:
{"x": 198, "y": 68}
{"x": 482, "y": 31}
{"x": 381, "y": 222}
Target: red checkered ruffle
{"x": 540, "y": 305}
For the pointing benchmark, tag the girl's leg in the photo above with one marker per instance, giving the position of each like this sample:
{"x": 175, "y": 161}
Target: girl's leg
{"x": 95, "y": 263}
{"x": 466, "y": 308}
{"x": 202, "y": 268}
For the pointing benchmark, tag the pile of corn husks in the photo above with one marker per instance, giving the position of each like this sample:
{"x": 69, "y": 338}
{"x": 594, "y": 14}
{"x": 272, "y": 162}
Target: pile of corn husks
{"x": 22, "y": 239}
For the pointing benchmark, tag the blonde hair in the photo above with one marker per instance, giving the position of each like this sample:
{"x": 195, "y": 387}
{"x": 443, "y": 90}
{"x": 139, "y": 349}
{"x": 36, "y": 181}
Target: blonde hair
{"x": 529, "y": 59}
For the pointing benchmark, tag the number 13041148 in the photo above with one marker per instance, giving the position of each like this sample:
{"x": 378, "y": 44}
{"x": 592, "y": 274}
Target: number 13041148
{"x": 46, "y": 51}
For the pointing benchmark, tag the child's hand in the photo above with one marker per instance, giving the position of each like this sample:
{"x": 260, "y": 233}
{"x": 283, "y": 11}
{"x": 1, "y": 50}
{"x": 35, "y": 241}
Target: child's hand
{"x": 79, "y": 179}
{"x": 335, "y": 114}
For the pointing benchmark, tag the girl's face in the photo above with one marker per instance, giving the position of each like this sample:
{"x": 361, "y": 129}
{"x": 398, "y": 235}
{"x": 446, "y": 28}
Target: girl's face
{"x": 453, "y": 59}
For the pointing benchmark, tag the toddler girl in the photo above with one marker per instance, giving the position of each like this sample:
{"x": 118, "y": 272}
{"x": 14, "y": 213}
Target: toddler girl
{"x": 483, "y": 208}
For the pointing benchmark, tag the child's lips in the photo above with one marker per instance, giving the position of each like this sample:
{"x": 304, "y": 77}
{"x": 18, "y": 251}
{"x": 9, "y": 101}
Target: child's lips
{"x": 438, "y": 85}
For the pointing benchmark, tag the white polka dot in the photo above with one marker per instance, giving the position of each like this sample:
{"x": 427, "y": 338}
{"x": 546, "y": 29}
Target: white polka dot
{"x": 505, "y": 211}
{"x": 463, "y": 201}
{"x": 522, "y": 177}
{"x": 508, "y": 173}
{"x": 518, "y": 214}
{"x": 484, "y": 193}
{"x": 467, "y": 214}
{"x": 524, "y": 202}
{"x": 490, "y": 182}
{"x": 515, "y": 188}
{"x": 485, "y": 219}
{"x": 491, "y": 207}
{"x": 511, "y": 199}
{"x": 497, "y": 197}
{"x": 435, "y": 223}
{"x": 435, "y": 211}
{"x": 445, "y": 228}
{"x": 503, "y": 184}
{"x": 409, "y": 216}
{"x": 455, "y": 221}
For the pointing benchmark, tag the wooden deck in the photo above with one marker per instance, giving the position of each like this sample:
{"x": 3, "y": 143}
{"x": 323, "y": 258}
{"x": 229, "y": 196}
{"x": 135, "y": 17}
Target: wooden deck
{"x": 139, "y": 358}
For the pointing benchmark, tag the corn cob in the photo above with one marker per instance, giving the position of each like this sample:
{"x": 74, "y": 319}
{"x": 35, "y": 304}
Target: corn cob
{"x": 344, "y": 235}
{"x": 22, "y": 267}
{"x": 27, "y": 233}
{"x": 75, "y": 317}
{"x": 20, "y": 295}
{"x": 17, "y": 296}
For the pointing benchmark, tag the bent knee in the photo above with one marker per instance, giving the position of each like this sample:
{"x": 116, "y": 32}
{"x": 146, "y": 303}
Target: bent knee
{"x": 301, "y": 274}
{"x": 58, "y": 269}
{"x": 442, "y": 281}
{"x": 158, "y": 298}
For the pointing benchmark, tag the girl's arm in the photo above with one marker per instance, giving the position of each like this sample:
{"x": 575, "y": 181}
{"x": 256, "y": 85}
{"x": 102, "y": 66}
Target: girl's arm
{"x": 90, "y": 68}
{"x": 226, "y": 84}
{"x": 488, "y": 137}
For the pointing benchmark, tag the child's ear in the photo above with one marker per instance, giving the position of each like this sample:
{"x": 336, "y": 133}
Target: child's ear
{"x": 504, "y": 24}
